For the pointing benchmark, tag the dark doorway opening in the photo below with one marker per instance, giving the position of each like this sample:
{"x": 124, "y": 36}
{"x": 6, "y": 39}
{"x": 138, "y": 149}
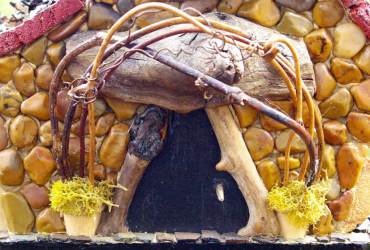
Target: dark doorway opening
{"x": 177, "y": 191}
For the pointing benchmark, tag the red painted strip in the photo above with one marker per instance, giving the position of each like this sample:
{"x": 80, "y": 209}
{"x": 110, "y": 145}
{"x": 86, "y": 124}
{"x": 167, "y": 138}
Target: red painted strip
{"x": 38, "y": 25}
{"x": 359, "y": 12}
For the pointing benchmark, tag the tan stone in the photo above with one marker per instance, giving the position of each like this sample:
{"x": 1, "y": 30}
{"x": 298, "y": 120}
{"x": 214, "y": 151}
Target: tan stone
{"x": 259, "y": 142}
{"x": 246, "y": 115}
{"x": 361, "y": 94}
{"x": 67, "y": 29}
{"x": 345, "y": 71}
{"x": 325, "y": 82}
{"x": 328, "y": 161}
{"x": 270, "y": 124}
{"x": 350, "y": 162}
{"x": 11, "y": 168}
{"x": 337, "y": 105}
{"x": 200, "y": 5}
{"x": 264, "y": 12}
{"x": 327, "y": 13}
{"x": 101, "y": 17}
{"x": 122, "y": 110}
{"x": 362, "y": 59}
{"x": 10, "y": 100}
{"x": 348, "y": 40}
{"x": 7, "y": 65}
{"x": 319, "y": 45}
{"x": 45, "y": 133}
{"x": 49, "y": 221}
{"x": 360, "y": 206}
{"x": 359, "y": 126}
{"x": 113, "y": 150}
{"x": 334, "y": 189}
{"x": 269, "y": 173}
{"x": 325, "y": 224}
{"x": 229, "y": 6}
{"x": 36, "y": 196}
{"x": 281, "y": 142}
{"x": 341, "y": 207}
{"x": 37, "y": 106}
{"x": 44, "y": 74}
{"x": 34, "y": 53}
{"x": 150, "y": 18}
{"x": 39, "y": 164}
{"x": 55, "y": 52}
{"x": 294, "y": 24}
{"x": 19, "y": 220}
{"x": 99, "y": 172}
{"x": 3, "y": 134}
{"x": 24, "y": 79}
{"x": 104, "y": 124}
{"x": 23, "y": 131}
{"x": 294, "y": 163}
{"x": 335, "y": 132}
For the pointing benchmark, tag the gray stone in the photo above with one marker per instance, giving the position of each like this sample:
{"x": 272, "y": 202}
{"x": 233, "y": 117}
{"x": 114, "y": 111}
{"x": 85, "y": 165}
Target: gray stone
{"x": 210, "y": 236}
{"x": 233, "y": 238}
{"x": 145, "y": 237}
{"x": 165, "y": 237}
{"x": 297, "y": 5}
{"x": 124, "y": 5}
{"x": 125, "y": 237}
{"x": 187, "y": 237}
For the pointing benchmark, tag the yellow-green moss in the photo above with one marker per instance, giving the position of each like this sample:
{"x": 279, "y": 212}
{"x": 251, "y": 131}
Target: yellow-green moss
{"x": 79, "y": 197}
{"x": 303, "y": 205}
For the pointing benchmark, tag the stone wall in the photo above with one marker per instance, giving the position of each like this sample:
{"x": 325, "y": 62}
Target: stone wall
{"x": 338, "y": 48}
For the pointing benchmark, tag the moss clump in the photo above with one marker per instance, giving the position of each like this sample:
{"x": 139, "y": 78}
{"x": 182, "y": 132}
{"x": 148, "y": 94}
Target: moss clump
{"x": 79, "y": 197}
{"x": 303, "y": 205}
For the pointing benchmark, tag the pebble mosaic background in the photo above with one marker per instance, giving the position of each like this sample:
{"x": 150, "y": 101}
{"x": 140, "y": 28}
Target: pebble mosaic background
{"x": 338, "y": 48}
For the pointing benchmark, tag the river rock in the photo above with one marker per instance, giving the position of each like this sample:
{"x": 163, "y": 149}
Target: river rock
{"x": 259, "y": 142}
{"x": 337, "y": 105}
{"x": 359, "y": 126}
{"x": 348, "y": 40}
{"x": 325, "y": 82}
{"x": 49, "y": 221}
{"x": 104, "y": 124}
{"x": 297, "y": 5}
{"x": 341, "y": 207}
{"x": 269, "y": 173}
{"x": 294, "y": 163}
{"x": 68, "y": 28}
{"x": 350, "y": 162}
{"x": 34, "y": 53}
{"x": 10, "y": 100}
{"x": 334, "y": 189}
{"x": 74, "y": 152}
{"x": 335, "y": 132}
{"x": 55, "y": 52}
{"x": 45, "y": 134}
{"x": 327, "y": 13}
{"x": 11, "y": 168}
{"x": 328, "y": 161}
{"x": 37, "y": 106}
{"x": 124, "y": 5}
{"x": 362, "y": 59}
{"x": 246, "y": 115}
{"x": 19, "y": 220}
{"x": 361, "y": 94}
{"x": 44, "y": 74}
{"x": 3, "y": 134}
{"x": 281, "y": 142}
{"x": 7, "y": 65}
{"x": 24, "y": 79}
{"x": 122, "y": 110}
{"x": 345, "y": 71}
{"x": 319, "y": 45}
{"x": 199, "y": 5}
{"x": 113, "y": 150}
{"x": 264, "y": 12}
{"x": 270, "y": 124}
{"x": 23, "y": 131}
{"x": 229, "y": 6}
{"x": 294, "y": 24}
{"x": 39, "y": 164}
{"x": 101, "y": 16}
{"x": 36, "y": 196}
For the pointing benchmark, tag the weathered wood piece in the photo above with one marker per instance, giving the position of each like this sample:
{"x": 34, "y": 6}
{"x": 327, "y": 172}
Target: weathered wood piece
{"x": 236, "y": 160}
{"x": 146, "y": 140}
{"x": 144, "y": 80}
